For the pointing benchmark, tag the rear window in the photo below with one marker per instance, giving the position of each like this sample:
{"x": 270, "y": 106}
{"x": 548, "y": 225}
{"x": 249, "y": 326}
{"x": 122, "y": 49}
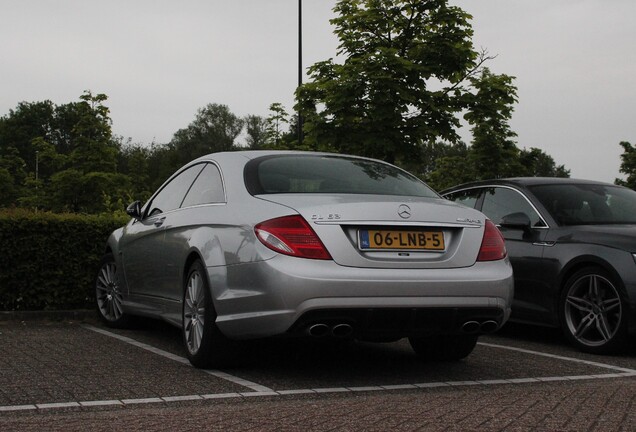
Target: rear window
{"x": 330, "y": 175}
{"x": 588, "y": 204}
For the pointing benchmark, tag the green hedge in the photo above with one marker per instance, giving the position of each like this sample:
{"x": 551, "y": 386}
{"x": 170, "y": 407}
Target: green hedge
{"x": 48, "y": 261}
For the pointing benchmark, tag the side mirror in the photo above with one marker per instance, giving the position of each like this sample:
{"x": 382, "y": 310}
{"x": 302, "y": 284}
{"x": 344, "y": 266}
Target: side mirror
{"x": 134, "y": 210}
{"x": 518, "y": 220}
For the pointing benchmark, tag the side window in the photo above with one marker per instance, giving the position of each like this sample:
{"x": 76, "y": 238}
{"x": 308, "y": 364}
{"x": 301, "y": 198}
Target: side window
{"x": 207, "y": 188}
{"x": 500, "y": 202}
{"x": 467, "y": 197}
{"x": 171, "y": 196}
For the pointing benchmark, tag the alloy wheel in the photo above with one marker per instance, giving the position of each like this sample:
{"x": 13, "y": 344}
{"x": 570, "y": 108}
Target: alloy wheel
{"x": 109, "y": 298}
{"x": 194, "y": 312}
{"x": 593, "y": 310}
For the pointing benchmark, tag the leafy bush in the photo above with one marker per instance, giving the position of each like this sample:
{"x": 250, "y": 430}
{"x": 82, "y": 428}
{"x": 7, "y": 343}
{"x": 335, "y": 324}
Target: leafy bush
{"x": 48, "y": 261}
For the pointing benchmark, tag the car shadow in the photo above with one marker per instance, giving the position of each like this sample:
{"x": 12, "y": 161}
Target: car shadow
{"x": 314, "y": 363}
{"x": 533, "y": 333}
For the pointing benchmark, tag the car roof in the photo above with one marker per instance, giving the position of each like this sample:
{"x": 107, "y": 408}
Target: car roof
{"x": 252, "y": 154}
{"x": 523, "y": 182}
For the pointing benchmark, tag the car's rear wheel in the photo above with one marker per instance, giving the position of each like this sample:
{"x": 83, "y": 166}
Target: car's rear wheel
{"x": 205, "y": 345}
{"x": 443, "y": 347}
{"x": 594, "y": 312}
{"x": 108, "y": 294}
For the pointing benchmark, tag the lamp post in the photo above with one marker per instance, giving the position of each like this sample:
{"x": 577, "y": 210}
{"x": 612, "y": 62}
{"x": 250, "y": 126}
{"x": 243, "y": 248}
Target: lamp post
{"x": 37, "y": 175}
{"x": 300, "y": 66}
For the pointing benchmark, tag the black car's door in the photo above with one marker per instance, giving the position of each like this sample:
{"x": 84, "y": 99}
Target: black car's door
{"x": 525, "y": 244}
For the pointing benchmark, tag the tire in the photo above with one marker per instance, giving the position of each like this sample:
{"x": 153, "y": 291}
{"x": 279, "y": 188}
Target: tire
{"x": 206, "y": 347}
{"x": 593, "y": 312}
{"x": 443, "y": 347}
{"x": 108, "y": 295}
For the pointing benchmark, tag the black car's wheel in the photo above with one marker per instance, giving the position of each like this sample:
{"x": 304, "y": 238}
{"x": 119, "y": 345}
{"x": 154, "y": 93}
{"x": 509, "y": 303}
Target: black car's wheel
{"x": 443, "y": 347}
{"x": 594, "y": 312}
{"x": 108, "y": 294}
{"x": 205, "y": 345}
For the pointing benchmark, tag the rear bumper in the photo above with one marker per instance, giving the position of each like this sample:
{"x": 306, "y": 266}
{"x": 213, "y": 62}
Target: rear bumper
{"x": 383, "y": 323}
{"x": 284, "y": 295}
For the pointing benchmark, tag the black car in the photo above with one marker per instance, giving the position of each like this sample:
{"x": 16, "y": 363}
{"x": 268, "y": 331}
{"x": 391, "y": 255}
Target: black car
{"x": 572, "y": 244}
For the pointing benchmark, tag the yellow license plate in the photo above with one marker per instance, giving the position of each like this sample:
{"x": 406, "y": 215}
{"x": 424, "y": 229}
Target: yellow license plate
{"x": 398, "y": 239}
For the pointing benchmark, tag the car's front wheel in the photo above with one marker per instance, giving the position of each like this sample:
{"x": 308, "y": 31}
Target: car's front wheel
{"x": 108, "y": 294}
{"x": 205, "y": 345}
{"x": 594, "y": 312}
{"x": 443, "y": 347}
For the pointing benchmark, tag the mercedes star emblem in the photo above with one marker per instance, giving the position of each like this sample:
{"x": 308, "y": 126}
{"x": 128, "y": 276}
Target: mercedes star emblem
{"x": 404, "y": 211}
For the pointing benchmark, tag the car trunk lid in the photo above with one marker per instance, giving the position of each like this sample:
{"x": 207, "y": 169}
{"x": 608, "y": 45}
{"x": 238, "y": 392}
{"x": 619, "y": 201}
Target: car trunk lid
{"x": 390, "y": 231}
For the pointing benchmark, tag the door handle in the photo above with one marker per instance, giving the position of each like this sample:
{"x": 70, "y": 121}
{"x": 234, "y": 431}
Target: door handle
{"x": 159, "y": 222}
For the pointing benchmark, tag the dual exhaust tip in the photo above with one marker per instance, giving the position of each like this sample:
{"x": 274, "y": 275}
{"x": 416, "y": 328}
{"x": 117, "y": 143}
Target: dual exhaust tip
{"x": 341, "y": 330}
{"x": 472, "y": 327}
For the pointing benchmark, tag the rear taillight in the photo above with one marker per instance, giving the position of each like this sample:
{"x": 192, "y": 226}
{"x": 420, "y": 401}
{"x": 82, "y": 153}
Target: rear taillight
{"x": 291, "y": 235}
{"x": 493, "y": 246}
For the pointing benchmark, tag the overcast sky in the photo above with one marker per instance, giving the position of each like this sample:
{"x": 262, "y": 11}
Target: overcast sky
{"x": 159, "y": 61}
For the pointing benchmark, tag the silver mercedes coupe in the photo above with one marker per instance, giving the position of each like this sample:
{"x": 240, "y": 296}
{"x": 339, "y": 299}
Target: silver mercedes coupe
{"x": 257, "y": 244}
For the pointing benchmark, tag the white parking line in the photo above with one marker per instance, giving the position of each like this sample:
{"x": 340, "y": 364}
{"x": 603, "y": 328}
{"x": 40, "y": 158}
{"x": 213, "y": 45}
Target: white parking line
{"x": 262, "y": 391}
{"x": 225, "y": 376}
{"x": 168, "y": 399}
{"x": 558, "y": 357}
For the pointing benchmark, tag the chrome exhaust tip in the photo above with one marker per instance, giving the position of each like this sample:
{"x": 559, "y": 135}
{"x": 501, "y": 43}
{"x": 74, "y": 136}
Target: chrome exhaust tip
{"x": 471, "y": 327}
{"x": 489, "y": 326}
{"x": 342, "y": 330}
{"x": 318, "y": 330}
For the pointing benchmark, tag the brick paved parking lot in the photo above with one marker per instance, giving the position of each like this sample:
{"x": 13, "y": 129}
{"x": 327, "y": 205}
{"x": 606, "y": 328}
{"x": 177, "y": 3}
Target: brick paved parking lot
{"x": 79, "y": 375}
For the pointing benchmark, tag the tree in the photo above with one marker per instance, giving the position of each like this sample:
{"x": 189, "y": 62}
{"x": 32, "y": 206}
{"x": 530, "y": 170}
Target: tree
{"x": 275, "y": 126}
{"x": 256, "y": 129}
{"x": 431, "y": 155}
{"x": 401, "y": 82}
{"x": 63, "y": 131}
{"x": 8, "y": 192}
{"x": 14, "y": 171}
{"x": 134, "y": 161}
{"x": 494, "y": 153}
{"x": 88, "y": 181}
{"x": 26, "y": 134}
{"x": 628, "y": 165}
{"x": 450, "y": 165}
{"x": 537, "y": 163}
{"x": 75, "y": 153}
{"x": 48, "y": 162}
{"x": 26, "y": 122}
{"x": 94, "y": 150}
{"x": 214, "y": 129}
{"x": 450, "y": 171}
{"x": 163, "y": 161}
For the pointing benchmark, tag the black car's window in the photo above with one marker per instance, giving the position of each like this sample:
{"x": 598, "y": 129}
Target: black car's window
{"x": 171, "y": 196}
{"x": 500, "y": 202}
{"x": 207, "y": 188}
{"x": 330, "y": 174}
{"x": 467, "y": 197}
{"x": 587, "y": 204}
